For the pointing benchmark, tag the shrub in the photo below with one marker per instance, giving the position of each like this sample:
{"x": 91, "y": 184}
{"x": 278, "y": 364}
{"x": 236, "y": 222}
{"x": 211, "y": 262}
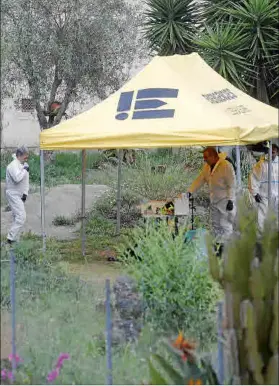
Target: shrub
{"x": 174, "y": 280}
{"x": 143, "y": 181}
{"x": 63, "y": 221}
{"x": 106, "y": 208}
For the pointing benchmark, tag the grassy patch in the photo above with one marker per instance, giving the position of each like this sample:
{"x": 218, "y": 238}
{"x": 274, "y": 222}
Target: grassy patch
{"x": 63, "y": 221}
{"x": 57, "y": 313}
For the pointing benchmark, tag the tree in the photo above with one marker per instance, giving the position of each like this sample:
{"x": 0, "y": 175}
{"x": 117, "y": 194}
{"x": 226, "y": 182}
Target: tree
{"x": 67, "y": 49}
{"x": 238, "y": 39}
{"x": 171, "y": 25}
{"x": 255, "y": 23}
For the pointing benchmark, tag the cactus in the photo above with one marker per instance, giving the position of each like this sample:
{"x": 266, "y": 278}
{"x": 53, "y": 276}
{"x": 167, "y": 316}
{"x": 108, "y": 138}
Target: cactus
{"x": 251, "y": 288}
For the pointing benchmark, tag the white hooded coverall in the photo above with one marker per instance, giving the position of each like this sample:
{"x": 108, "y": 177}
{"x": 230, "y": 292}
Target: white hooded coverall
{"x": 258, "y": 184}
{"x": 222, "y": 183}
{"x": 17, "y": 184}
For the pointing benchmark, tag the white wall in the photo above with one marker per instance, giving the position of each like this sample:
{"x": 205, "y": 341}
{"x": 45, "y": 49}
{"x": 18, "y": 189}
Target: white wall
{"x": 19, "y": 128}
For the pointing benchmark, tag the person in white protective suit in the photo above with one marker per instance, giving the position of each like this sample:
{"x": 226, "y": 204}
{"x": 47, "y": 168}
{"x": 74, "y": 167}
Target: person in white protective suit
{"x": 17, "y": 188}
{"x": 219, "y": 174}
{"x": 258, "y": 186}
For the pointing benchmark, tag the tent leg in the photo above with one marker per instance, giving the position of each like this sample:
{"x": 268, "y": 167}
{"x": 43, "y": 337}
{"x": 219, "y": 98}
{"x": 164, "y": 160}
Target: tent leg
{"x": 269, "y": 172}
{"x": 42, "y": 167}
{"x": 118, "y": 200}
{"x": 238, "y": 168}
{"x": 83, "y": 235}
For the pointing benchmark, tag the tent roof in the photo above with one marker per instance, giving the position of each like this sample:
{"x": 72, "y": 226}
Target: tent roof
{"x": 174, "y": 101}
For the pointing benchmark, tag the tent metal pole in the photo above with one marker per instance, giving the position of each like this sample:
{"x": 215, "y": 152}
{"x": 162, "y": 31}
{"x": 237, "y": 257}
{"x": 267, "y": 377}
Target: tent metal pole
{"x": 269, "y": 172}
{"x": 83, "y": 177}
{"x": 118, "y": 200}
{"x": 238, "y": 168}
{"x": 43, "y": 217}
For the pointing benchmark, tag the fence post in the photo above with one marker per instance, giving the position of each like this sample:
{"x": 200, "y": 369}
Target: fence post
{"x": 220, "y": 344}
{"x": 108, "y": 334}
{"x": 13, "y": 308}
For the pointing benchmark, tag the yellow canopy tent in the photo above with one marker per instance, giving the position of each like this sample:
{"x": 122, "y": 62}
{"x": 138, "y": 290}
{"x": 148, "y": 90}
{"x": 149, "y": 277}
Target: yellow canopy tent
{"x": 174, "y": 101}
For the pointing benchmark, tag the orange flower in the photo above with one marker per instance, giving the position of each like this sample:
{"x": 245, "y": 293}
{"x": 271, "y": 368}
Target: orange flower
{"x": 195, "y": 382}
{"x": 185, "y": 346}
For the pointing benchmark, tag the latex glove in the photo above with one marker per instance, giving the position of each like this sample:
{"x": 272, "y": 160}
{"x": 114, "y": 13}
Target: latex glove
{"x": 24, "y": 197}
{"x": 190, "y": 196}
{"x": 26, "y": 166}
{"x": 258, "y": 198}
{"x": 229, "y": 206}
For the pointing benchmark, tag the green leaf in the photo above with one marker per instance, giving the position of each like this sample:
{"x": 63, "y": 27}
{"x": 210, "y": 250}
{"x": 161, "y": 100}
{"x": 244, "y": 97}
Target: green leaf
{"x": 155, "y": 377}
{"x": 175, "y": 377}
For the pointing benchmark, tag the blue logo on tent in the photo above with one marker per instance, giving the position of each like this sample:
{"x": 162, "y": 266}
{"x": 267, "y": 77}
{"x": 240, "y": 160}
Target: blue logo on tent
{"x": 147, "y": 104}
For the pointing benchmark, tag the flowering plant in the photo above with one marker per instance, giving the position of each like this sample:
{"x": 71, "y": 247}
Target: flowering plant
{"x": 182, "y": 366}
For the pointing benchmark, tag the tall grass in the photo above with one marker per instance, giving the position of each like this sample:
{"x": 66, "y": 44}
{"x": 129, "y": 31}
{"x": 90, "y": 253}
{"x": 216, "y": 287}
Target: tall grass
{"x": 57, "y": 313}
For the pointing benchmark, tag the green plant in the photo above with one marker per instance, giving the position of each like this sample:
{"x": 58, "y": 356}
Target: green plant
{"x": 170, "y": 26}
{"x": 63, "y": 221}
{"x": 106, "y": 208}
{"x": 249, "y": 276}
{"x": 238, "y": 39}
{"x": 143, "y": 182}
{"x": 173, "y": 279}
{"x": 180, "y": 365}
{"x": 56, "y": 312}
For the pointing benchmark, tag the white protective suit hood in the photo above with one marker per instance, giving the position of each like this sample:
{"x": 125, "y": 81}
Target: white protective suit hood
{"x": 258, "y": 179}
{"x": 17, "y": 178}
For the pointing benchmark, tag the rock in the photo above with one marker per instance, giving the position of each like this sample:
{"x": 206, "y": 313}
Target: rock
{"x": 128, "y": 304}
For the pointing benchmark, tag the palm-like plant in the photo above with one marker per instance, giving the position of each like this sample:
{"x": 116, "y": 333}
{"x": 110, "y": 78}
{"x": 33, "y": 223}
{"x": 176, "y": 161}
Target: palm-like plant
{"x": 223, "y": 48}
{"x": 213, "y": 11}
{"x": 171, "y": 25}
{"x": 239, "y": 38}
{"x": 259, "y": 20}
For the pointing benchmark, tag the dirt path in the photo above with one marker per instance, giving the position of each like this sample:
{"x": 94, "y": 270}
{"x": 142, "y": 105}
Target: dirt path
{"x": 64, "y": 200}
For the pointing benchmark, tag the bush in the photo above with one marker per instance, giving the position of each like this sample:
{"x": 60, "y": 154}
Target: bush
{"x": 144, "y": 182}
{"x": 174, "y": 280}
{"x": 106, "y": 208}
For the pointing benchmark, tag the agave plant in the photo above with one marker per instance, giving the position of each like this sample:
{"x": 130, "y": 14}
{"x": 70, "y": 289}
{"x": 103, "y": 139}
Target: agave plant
{"x": 171, "y": 25}
{"x": 223, "y": 48}
{"x": 213, "y": 11}
{"x": 259, "y": 19}
{"x": 238, "y": 39}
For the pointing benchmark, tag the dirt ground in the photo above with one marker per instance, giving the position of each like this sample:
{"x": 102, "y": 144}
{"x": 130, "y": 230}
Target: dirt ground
{"x": 64, "y": 200}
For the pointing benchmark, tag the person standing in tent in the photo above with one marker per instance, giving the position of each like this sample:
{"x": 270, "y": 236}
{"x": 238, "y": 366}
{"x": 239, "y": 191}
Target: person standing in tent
{"x": 17, "y": 187}
{"x": 258, "y": 186}
{"x": 220, "y": 177}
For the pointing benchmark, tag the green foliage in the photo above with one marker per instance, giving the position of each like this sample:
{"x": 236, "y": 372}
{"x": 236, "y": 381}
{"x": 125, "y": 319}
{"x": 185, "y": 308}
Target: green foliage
{"x": 238, "y": 39}
{"x": 170, "y": 25}
{"x": 174, "y": 280}
{"x": 56, "y": 312}
{"x": 64, "y": 168}
{"x": 180, "y": 366}
{"x": 63, "y": 221}
{"x": 143, "y": 181}
{"x": 250, "y": 278}
{"x": 229, "y": 60}
{"x": 64, "y": 51}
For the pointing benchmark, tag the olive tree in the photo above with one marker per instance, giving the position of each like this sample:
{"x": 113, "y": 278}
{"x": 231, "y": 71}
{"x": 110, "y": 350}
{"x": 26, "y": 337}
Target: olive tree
{"x": 64, "y": 50}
